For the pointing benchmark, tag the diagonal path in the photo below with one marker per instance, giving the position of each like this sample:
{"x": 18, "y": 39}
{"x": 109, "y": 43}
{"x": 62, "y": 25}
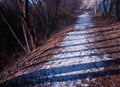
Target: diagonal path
{"x": 80, "y": 56}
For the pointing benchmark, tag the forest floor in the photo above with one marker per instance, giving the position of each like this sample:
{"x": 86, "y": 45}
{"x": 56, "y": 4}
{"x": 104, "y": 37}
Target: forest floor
{"x": 84, "y": 54}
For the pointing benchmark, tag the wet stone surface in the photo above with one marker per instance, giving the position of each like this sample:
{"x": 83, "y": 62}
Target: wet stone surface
{"x": 85, "y": 54}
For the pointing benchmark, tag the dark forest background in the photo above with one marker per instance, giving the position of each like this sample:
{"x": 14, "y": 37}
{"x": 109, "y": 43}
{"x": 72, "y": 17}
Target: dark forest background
{"x": 25, "y": 25}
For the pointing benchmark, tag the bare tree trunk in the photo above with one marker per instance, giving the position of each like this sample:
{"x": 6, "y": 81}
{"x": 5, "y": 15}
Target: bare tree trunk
{"x": 24, "y": 26}
{"x": 95, "y": 8}
{"x": 117, "y": 10}
{"x": 110, "y": 9}
{"x": 104, "y": 7}
{"x": 12, "y": 31}
{"x": 29, "y": 30}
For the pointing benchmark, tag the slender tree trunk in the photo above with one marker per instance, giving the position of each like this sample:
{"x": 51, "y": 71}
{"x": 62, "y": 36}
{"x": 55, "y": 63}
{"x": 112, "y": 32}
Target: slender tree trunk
{"x": 11, "y": 29}
{"x": 104, "y": 7}
{"x": 117, "y": 10}
{"x": 24, "y": 26}
{"x": 110, "y": 9}
{"x": 95, "y": 8}
{"x": 27, "y": 19}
